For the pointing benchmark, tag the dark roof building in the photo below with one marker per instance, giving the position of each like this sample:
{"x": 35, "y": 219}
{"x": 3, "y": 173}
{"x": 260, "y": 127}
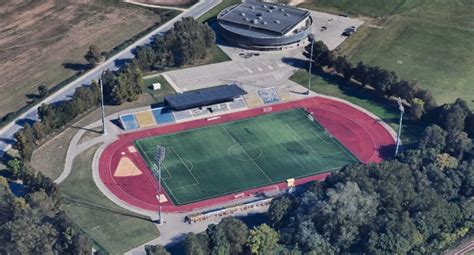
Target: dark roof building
{"x": 261, "y": 25}
{"x": 204, "y": 97}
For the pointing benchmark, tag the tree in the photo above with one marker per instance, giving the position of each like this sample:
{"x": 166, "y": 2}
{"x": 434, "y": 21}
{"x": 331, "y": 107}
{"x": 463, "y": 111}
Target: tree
{"x": 156, "y": 250}
{"x": 25, "y": 142}
{"x": 457, "y": 143}
{"x": 236, "y": 233}
{"x": 218, "y": 243}
{"x": 361, "y": 73}
{"x": 262, "y": 240}
{"x": 416, "y": 109}
{"x": 405, "y": 90}
{"x": 382, "y": 80}
{"x": 444, "y": 161}
{"x": 427, "y": 97}
{"x": 344, "y": 67}
{"x": 16, "y": 167}
{"x": 433, "y": 137}
{"x": 320, "y": 51}
{"x": 278, "y": 209}
{"x": 345, "y": 210}
{"x": 42, "y": 91}
{"x": 192, "y": 246}
{"x": 93, "y": 55}
{"x": 189, "y": 40}
{"x": 469, "y": 125}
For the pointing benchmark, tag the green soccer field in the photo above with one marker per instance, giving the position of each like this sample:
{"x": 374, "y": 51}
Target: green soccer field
{"x": 220, "y": 159}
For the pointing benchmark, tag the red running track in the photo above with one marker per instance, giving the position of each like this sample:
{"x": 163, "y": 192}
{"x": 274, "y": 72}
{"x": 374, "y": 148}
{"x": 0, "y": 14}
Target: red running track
{"x": 363, "y": 135}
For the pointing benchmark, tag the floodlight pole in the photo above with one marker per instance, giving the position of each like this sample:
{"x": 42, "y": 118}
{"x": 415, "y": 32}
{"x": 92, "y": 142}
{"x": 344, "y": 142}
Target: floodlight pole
{"x": 159, "y": 157}
{"x": 310, "y": 64}
{"x": 402, "y": 110}
{"x": 104, "y": 129}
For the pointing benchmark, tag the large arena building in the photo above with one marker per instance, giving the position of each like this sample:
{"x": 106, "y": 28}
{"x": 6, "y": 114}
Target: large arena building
{"x": 264, "y": 26}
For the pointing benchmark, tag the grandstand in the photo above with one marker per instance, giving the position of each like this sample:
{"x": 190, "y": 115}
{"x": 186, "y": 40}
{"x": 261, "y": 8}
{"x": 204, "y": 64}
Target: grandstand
{"x": 238, "y": 100}
{"x": 147, "y": 118}
{"x": 204, "y": 97}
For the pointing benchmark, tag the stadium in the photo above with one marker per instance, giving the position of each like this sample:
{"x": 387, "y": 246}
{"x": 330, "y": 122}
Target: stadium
{"x": 224, "y": 144}
{"x": 264, "y": 26}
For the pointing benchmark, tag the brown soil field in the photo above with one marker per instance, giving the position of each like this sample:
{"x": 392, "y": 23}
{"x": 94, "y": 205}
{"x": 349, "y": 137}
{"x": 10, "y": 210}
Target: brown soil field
{"x": 166, "y": 2}
{"x": 42, "y": 42}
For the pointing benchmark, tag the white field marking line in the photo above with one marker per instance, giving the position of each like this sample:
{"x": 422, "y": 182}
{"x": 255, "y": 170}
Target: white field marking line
{"x": 320, "y": 137}
{"x": 186, "y": 186}
{"x": 346, "y": 150}
{"x": 169, "y": 173}
{"x": 182, "y": 161}
{"x": 276, "y": 142}
{"x": 302, "y": 141}
{"x": 170, "y": 191}
{"x": 260, "y": 154}
{"x": 189, "y": 171}
{"x": 324, "y": 156}
{"x": 261, "y": 170}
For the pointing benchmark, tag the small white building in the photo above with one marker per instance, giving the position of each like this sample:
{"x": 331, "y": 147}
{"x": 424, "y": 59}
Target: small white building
{"x": 156, "y": 86}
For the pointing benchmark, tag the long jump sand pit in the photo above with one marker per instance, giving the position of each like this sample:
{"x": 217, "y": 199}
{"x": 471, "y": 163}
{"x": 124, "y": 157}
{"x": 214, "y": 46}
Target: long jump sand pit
{"x": 356, "y": 131}
{"x": 126, "y": 168}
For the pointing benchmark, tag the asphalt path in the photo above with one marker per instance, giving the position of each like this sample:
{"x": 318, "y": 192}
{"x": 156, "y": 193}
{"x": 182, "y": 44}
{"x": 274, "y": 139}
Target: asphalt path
{"x": 114, "y": 63}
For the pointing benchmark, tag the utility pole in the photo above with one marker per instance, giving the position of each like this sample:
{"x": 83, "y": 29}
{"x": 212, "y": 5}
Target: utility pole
{"x": 310, "y": 37}
{"x": 402, "y": 110}
{"x": 104, "y": 129}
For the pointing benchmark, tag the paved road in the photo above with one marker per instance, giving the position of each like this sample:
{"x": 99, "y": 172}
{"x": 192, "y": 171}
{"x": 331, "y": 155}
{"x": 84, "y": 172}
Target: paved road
{"x": 6, "y": 134}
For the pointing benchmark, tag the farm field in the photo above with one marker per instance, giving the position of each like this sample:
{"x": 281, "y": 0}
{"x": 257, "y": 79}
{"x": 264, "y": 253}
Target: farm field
{"x": 43, "y": 42}
{"x": 429, "y": 41}
{"x": 113, "y": 228}
{"x": 226, "y": 158}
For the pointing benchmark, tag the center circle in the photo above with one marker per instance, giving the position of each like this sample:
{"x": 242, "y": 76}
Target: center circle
{"x": 245, "y": 151}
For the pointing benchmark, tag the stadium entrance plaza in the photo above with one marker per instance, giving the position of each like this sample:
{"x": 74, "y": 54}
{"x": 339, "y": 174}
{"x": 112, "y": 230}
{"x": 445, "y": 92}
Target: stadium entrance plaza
{"x": 268, "y": 69}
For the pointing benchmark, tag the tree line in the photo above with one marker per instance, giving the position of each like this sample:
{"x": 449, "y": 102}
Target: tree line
{"x": 230, "y": 236}
{"x": 35, "y": 223}
{"x": 186, "y": 43}
{"x": 385, "y": 83}
{"x": 417, "y": 203}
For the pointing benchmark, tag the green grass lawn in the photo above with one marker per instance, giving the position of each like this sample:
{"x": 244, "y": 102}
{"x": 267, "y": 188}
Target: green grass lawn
{"x": 366, "y": 99}
{"x": 429, "y": 41}
{"x": 115, "y": 229}
{"x": 226, "y": 158}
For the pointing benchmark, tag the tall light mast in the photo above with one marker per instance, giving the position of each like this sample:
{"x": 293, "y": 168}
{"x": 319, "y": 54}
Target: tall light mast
{"x": 402, "y": 110}
{"x": 159, "y": 157}
{"x": 104, "y": 129}
{"x": 311, "y": 38}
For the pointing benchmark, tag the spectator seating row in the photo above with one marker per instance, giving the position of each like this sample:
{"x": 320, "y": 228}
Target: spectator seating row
{"x": 147, "y": 118}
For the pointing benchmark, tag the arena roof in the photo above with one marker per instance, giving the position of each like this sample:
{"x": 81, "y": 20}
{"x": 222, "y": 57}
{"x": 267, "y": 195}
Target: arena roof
{"x": 204, "y": 97}
{"x": 275, "y": 18}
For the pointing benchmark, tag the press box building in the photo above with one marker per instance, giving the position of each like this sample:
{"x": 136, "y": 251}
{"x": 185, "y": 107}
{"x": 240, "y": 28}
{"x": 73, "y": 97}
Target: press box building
{"x": 264, "y": 26}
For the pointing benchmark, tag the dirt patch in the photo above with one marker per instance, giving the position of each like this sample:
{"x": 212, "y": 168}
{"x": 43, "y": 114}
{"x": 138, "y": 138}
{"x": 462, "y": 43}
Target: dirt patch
{"x": 43, "y": 41}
